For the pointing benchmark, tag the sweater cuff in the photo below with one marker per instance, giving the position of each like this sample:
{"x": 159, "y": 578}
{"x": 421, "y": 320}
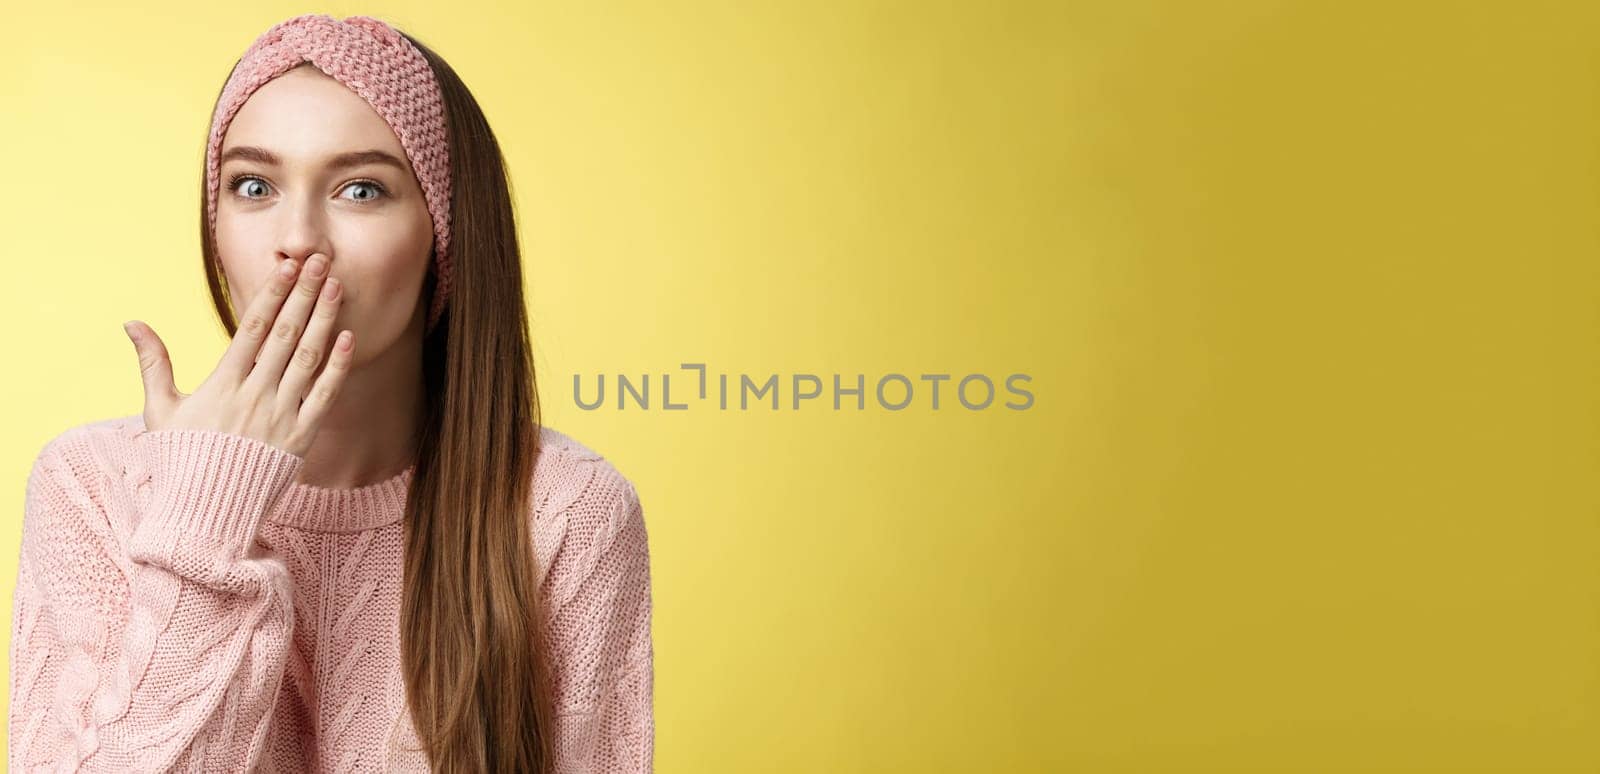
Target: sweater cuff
{"x": 210, "y": 490}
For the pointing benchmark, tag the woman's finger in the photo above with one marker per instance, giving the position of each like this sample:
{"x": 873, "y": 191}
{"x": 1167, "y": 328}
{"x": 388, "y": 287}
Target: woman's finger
{"x": 313, "y": 347}
{"x": 254, "y": 326}
{"x": 155, "y": 365}
{"x": 286, "y": 330}
{"x": 330, "y": 382}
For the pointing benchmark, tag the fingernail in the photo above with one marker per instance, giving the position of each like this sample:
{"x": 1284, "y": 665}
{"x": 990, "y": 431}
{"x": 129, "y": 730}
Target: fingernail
{"x": 286, "y": 269}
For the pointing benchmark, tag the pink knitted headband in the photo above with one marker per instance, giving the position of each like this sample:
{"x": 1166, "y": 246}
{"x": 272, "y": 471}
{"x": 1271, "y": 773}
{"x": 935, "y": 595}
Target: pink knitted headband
{"x": 378, "y": 63}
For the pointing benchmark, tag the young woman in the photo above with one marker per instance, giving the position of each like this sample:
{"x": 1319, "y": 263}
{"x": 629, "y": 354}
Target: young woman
{"x": 353, "y": 547}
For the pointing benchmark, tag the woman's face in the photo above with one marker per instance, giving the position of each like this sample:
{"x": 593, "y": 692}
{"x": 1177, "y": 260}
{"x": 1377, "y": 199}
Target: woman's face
{"x": 287, "y": 189}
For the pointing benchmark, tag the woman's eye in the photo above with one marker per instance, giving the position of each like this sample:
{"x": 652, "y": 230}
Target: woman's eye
{"x": 249, "y": 187}
{"x": 365, "y": 190}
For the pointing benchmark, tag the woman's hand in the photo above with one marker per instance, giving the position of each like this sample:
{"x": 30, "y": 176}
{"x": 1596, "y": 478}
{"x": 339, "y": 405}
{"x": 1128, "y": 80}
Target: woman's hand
{"x": 256, "y": 390}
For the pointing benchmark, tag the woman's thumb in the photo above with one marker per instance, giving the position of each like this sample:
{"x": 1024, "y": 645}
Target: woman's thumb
{"x": 155, "y": 367}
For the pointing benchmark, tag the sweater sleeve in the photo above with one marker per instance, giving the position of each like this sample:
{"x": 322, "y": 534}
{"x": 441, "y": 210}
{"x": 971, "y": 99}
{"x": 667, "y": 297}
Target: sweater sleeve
{"x": 606, "y": 724}
{"x": 149, "y": 633}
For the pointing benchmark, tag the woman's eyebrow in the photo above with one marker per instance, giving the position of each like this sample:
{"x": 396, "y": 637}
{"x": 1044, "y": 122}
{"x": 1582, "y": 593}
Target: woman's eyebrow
{"x": 341, "y": 161}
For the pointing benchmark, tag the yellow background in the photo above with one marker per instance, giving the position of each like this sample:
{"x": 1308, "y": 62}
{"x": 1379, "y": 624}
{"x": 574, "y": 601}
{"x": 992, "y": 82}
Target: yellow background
{"x": 1308, "y": 292}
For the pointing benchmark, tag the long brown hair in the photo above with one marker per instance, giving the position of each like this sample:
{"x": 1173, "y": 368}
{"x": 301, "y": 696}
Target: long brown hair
{"x": 473, "y": 645}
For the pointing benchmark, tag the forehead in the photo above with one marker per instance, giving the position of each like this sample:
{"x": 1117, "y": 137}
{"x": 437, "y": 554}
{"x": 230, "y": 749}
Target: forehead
{"x": 304, "y": 113}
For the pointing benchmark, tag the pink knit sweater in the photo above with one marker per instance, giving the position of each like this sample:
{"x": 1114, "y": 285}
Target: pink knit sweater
{"x": 183, "y": 603}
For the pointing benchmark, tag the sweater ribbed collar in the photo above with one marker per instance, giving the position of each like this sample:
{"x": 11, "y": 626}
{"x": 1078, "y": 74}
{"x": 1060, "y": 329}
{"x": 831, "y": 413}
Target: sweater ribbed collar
{"x": 323, "y": 509}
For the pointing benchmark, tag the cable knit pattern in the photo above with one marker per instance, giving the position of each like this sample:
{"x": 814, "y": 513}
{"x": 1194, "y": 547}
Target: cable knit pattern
{"x": 375, "y": 61}
{"x": 183, "y": 603}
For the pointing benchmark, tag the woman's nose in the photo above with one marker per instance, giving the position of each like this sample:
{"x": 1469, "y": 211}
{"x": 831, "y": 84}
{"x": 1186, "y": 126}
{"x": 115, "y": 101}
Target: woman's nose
{"x": 304, "y": 230}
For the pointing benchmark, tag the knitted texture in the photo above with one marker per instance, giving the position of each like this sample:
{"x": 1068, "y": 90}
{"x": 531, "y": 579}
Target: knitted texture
{"x": 375, "y": 61}
{"x": 184, "y": 604}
